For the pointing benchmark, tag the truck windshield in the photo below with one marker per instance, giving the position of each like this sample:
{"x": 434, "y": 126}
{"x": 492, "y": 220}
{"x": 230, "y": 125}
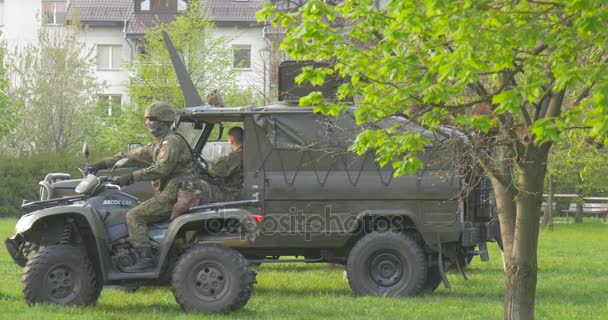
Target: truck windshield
{"x": 188, "y": 131}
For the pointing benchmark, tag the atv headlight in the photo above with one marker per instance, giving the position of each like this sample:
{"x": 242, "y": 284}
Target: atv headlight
{"x": 24, "y": 223}
{"x": 87, "y": 185}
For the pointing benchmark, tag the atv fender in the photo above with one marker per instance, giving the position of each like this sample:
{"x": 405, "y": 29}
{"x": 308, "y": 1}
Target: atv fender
{"x": 81, "y": 215}
{"x": 79, "y": 212}
{"x": 190, "y": 220}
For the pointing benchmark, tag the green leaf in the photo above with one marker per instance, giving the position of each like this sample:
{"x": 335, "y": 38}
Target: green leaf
{"x": 409, "y": 165}
{"x": 546, "y": 130}
{"x": 508, "y": 101}
{"x": 482, "y": 123}
{"x": 311, "y": 99}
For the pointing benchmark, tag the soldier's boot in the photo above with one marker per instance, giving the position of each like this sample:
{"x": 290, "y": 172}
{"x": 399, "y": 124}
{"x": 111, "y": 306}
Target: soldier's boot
{"x": 145, "y": 261}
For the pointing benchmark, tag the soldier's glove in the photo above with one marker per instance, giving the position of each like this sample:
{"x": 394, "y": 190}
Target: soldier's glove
{"x": 124, "y": 180}
{"x": 93, "y": 168}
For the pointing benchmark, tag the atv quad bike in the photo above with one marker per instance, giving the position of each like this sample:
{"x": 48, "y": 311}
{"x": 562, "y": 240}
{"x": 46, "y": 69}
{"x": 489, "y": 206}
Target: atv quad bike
{"x": 70, "y": 247}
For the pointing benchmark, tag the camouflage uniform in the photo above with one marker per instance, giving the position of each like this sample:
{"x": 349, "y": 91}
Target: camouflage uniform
{"x": 229, "y": 171}
{"x": 168, "y": 164}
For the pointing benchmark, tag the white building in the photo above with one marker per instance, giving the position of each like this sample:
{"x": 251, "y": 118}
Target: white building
{"x": 115, "y": 29}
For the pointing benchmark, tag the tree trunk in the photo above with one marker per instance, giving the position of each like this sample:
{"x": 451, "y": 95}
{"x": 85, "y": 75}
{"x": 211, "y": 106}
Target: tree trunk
{"x": 505, "y": 205}
{"x": 579, "y": 213}
{"x": 548, "y": 214}
{"x": 505, "y": 199}
{"x": 521, "y": 270}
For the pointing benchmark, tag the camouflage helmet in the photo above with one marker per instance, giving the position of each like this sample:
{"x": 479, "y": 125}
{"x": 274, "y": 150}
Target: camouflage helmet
{"x": 161, "y": 111}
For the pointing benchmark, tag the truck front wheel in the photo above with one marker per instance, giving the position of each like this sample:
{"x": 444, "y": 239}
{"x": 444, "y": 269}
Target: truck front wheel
{"x": 386, "y": 264}
{"x": 61, "y": 274}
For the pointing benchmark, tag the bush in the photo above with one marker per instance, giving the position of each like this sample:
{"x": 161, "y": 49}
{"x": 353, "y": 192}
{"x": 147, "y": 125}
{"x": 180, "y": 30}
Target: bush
{"x": 19, "y": 178}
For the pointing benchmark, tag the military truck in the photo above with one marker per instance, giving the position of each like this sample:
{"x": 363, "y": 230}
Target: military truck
{"x": 396, "y": 236}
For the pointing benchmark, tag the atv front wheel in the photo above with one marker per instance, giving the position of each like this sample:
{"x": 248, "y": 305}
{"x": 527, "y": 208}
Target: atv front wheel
{"x": 60, "y": 274}
{"x": 212, "y": 278}
{"x": 386, "y": 264}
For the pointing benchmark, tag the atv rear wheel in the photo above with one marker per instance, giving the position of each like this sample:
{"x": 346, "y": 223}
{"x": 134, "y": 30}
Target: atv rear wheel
{"x": 386, "y": 264}
{"x": 212, "y": 278}
{"x": 60, "y": 274}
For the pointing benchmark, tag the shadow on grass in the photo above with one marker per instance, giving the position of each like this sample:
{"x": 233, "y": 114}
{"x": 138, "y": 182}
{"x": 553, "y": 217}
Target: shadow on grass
{"x": 304, "y": 292}
{"x": 170, "y": 310}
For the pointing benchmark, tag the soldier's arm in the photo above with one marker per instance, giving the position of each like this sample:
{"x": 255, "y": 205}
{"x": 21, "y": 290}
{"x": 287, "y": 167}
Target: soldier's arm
{"x": 140, "y": 157}
{"x": 224, "y": 166}
{"x": 166, "y": 162}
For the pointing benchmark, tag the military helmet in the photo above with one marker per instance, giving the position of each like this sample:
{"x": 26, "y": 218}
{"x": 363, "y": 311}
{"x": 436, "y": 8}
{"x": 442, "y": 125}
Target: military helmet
{"x": 160, "y": 111}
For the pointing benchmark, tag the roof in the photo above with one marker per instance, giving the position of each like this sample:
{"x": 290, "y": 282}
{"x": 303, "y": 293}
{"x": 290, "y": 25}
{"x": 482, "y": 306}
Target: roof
{"x": 102, "y": 10}
{"x": 142, "y": 20}
{"x": 233, "y": 10}
{"x": 121, "y": 10}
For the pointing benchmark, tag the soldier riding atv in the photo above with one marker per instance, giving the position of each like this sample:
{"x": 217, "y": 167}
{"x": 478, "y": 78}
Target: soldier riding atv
{"x": 80, "y": 242}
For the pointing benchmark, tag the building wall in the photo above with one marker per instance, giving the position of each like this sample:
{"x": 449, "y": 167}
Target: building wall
{"x": 23, "y": 18}
{"x": 21, "y": 21}
{"x": 116, "y": 81}
{"x": 253, "y": 77}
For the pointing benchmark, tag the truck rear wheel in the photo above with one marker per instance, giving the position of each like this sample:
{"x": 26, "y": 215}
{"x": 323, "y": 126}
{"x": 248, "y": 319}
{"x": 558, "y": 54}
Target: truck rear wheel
{"x": 212, "y": 278}
{"x": 61, "y": 274}
{"x": 433, "y": 279}
{"x": 386, "y": 264}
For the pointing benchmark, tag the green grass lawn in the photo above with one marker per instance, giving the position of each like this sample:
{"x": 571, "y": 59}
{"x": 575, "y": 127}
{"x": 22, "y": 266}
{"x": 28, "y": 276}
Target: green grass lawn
{"x": 572, "y": 284}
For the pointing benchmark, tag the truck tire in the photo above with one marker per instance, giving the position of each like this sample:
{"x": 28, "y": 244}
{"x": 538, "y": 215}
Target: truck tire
{"x": 212, "y": 278}
{"x": 61, "y": 274}
{"x": 433, "y": 279}
{"x": 386, "y": 264}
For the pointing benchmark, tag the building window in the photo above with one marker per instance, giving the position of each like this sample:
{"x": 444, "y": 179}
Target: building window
{"x": 181, "y": 5}
{"x": 242, "y": 56}
{"x": 53, "y": 12}
{"x": 144, "y": 5}
{"x": 109, "y": 57}
{"x": 110, "y": 101}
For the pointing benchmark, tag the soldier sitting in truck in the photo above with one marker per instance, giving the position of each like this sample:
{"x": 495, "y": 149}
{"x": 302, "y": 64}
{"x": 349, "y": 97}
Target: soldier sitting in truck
{"x": 225, "y": 178}
{"x": 228, "y": 171}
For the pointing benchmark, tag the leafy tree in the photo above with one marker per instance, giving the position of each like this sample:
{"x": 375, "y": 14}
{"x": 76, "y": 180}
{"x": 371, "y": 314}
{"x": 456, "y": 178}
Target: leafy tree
{"x": 579, "y": 165}
{"x": 110, "y": 133}
{"x": 206, "y": 56}
{"x": 52, "y": 83}
{"x": 8, "y": 113}
{"x": 512, "y": 76}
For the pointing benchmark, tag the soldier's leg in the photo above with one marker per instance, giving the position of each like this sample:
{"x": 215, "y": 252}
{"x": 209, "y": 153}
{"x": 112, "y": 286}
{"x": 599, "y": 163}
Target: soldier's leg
{"x": 153, "y": 210}
{"x": 211, "y": 194}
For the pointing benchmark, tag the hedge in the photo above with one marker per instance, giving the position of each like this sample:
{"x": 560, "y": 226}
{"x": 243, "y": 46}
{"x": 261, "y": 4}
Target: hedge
{"x": 19, "y": 178}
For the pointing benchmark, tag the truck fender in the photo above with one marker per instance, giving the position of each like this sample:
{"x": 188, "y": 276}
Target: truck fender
{"x": 408, "y": 216}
